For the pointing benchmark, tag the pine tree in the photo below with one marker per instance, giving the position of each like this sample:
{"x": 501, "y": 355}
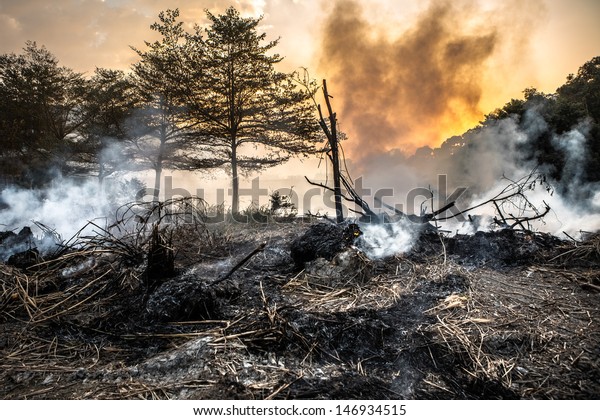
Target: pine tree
{"x": 239, "y": 100}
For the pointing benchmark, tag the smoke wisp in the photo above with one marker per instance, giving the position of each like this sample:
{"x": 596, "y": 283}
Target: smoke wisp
{"x": 65, "y": 207}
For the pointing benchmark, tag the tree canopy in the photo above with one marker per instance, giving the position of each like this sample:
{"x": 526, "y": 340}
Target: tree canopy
{"x": 161, "y": 131}
{"x": 211, "y": 91}
{"x": 205, "y": 98}
{"x": 40, "y": 113}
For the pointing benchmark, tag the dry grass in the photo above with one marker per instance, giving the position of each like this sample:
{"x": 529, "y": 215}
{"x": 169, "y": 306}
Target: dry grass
{"x": 586, "y": 250}
{"x": 523, "y": 330}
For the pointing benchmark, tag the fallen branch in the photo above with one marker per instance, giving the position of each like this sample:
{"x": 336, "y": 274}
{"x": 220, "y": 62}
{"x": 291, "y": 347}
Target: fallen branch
{"x": 514, "y": 195}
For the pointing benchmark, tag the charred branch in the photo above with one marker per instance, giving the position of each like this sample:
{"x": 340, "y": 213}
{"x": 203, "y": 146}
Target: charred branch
{"x": 332, "y": 137}
{"x": 519, "y": 221}
{"x": 353, "y": 198}
{"x": 513, "y": 195}
{"x": 240, "y": 264}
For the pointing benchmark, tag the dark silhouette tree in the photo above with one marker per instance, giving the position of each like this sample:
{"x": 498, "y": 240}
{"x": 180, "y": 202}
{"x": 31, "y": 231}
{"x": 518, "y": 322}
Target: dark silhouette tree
{"x": 574, "y": 106}
{"x": 584, "y": 89}
{"x": 41, "y": 113}
{"x": 249, "y": 114}
{"x": 161, "y": 128}
{"x": 580, "y": 95}
{"x": 104, "y": 146}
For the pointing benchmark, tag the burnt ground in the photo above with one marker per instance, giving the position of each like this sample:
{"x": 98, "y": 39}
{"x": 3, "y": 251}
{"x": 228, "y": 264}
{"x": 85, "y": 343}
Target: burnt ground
{"x": 497, "y": 315}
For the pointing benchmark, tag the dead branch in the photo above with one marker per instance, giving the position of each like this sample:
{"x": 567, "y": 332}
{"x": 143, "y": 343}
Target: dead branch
{"x": 331, "y": 134}
{"x": 514, "y": 195}
{"x": 326, "y": 187}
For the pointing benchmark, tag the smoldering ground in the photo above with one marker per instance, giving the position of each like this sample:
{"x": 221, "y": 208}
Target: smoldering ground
{"x": 65, "y": 207}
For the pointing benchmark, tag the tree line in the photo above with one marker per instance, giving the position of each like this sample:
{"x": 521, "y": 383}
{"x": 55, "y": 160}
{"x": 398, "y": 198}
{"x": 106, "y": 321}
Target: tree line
{"x": 211, "y": 97}
{"x": 200, "y": 99}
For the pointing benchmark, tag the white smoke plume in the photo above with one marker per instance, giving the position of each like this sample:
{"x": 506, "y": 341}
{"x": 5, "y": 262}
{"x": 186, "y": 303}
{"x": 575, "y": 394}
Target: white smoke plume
{"x": 65, "y": 207}
{"x": 382, "y": 240}
{"x": 573, "y": 144}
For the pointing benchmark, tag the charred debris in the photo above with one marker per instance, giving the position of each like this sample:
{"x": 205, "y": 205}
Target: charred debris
{"x": 164, "y": 304}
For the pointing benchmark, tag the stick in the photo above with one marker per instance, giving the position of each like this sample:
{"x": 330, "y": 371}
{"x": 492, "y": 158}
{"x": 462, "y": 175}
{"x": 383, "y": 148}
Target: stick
{"x": 570, "y": 237}
{"x": 240, "y": 264}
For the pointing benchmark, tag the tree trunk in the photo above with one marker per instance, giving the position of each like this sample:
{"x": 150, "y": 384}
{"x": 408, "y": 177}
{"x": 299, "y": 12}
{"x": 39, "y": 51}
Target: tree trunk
{"x": 331, "y": 134}
{"x": 158, "y": 167}
{"x": 235, "y": 181}
{"x": 335, "y": 158}
{"x": 157, "y": 175}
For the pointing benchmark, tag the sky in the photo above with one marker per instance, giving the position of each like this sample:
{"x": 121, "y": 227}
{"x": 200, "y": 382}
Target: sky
{"x": 412, "y": 72}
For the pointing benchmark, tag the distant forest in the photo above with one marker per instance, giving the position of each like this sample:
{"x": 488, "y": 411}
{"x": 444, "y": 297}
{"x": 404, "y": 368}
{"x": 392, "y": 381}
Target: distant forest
{"x": 195, "y": 100}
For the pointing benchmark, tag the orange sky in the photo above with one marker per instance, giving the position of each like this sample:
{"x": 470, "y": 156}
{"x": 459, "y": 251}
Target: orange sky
{"x": 408, "y": 78}
{"x": 535, "y": 43}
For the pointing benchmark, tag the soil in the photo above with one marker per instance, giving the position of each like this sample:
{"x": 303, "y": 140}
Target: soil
{"x": 495, "y": 315}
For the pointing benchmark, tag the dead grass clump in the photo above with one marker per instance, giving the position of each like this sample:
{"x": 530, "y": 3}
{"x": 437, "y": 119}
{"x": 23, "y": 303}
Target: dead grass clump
{"x": 587, "y": 250}
{"x": 515, "y": 335}
{"x": 379, "y": 292}
{"x": 18, "y": 292}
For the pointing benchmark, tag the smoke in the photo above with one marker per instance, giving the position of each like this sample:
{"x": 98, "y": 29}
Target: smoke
{"x": 399, "y": 95}
{"x": 65, "y": 207}
{"x": 411, "y": 90}
{"x": 486, "y": 160}
{"x": 384, "y": 240}
{"x": 499, "y": 152}
{"x": 573, "y": 145}
{"x": 114, "y": 155}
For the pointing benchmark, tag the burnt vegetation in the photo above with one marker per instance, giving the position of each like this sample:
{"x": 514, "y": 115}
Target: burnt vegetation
{"x": 178, "y": 299}
{"x": 499, "y": 314}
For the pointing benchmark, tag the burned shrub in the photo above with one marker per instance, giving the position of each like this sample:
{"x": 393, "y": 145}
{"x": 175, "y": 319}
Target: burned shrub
{"x": 161, "y": 259}
{"x": 17, "y": 246}
{"x": 450, "y": 284}
{"x": 24, "y": 259}
{"x": 502, "y": 247}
